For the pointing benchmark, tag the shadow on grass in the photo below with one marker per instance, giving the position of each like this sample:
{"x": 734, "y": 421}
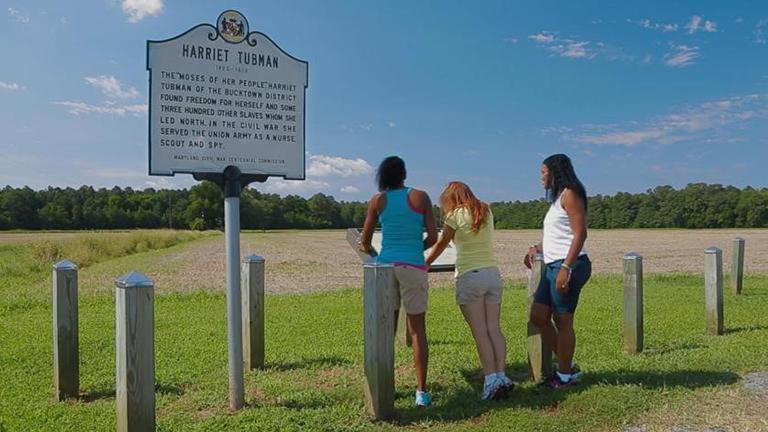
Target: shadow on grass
{"x": 463, "y": 404}
{"x": 745, "y": 329}
{"x": 671, "y": 348}
{"x": 103, "y": 394}
{"x": 324, "y": 361}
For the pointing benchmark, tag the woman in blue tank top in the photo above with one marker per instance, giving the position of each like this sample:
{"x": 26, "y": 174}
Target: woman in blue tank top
{"x": 404, "y": 214}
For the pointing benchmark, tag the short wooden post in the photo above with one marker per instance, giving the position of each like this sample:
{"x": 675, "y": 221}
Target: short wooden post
{"x": 66, "y": 357}
{"x": 253, "y": 311}
{"x": 539, "y": 353}
{"x": 737, "y": 265}
{"x": 713, "y": 289}
{"x": 403, "y": 335}
{"x": 633, "y": 303}
{"x": 379, "y": 339}
{"x": 135, "y": 353}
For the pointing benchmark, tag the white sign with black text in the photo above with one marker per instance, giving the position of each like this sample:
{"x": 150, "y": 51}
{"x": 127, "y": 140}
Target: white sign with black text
{"x": 220, "y": 96}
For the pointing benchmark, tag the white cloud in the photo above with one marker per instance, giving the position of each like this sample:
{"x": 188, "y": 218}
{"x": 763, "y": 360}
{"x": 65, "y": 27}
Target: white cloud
{"x": 629, "y": 138}
{"x": 391, "y": 124}
{"x": 111, "y": 87}
{"x": 161, "y": 183}
{"x": 693, "y": 24}
{"x": 11, "y": 86}
{"x": 690, "y": 123}
{"x": 543, "y": 37}
{"x": 574, "y": 50}
{"x": 681, "y": 56}
{"x": 697, "y": 23}
{"x": 511, "y": 40}
{"x": 77, "y": 108}
{"x": 138, "y": 9}
{"x": 280, "y": 186}
{"x": 323, "y": 175}
{"x": 759, "y": 32}
{"x": 366, "y": 126}
{"x": 18, "y": 15}
{"x": 648, "y": 24}
{"x": 325, "y": 166}
{"x": 569, "y": 48}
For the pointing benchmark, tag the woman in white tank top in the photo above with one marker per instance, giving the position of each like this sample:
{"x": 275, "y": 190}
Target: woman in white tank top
{"x": 566, "y": 265}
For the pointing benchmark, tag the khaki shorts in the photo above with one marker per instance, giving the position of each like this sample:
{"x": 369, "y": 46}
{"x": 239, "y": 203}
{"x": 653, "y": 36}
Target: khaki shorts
{"x": 413, "y": 287}
{"x": 479, "y": 285}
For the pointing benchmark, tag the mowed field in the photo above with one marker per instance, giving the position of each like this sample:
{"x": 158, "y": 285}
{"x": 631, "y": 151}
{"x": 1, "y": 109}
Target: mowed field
{"x": 307, "y": 261}
{"x": 683, "y": 381}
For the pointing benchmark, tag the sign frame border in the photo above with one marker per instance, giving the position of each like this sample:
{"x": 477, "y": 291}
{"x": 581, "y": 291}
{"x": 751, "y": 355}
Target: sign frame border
{"x": 247, "y": 40}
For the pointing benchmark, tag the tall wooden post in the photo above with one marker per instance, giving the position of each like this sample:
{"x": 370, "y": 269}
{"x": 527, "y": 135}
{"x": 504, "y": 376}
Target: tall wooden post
{"x": 379, "y": 339}
{"x": 713, "y": 289}
{"x": 633, "y": 303}
{"x": 539, "y": 352}
{"x": 135, "y": 353}
{"x": 253, "y": 311}
{"x": 737, "y": 265}
{"x": 66, "y": 358}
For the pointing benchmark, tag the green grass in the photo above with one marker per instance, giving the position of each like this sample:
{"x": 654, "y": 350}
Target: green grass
{"x": 25, "y": 267}
{"x": 314, "y": 380}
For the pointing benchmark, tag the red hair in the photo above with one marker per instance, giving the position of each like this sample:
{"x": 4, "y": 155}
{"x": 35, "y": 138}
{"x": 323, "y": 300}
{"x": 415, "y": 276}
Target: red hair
{"x": 457, "y": 195}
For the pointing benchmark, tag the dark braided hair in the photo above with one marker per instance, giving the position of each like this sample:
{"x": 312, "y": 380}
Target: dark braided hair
{"x": 563, "y": 177}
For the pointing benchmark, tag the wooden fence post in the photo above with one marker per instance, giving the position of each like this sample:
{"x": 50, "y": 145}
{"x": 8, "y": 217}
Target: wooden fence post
{"x": 66, "y": 357}
{"x": 379, "y": 339}
{"x": 253, "y": 311}
{"x": 737, "y": 265}
{"x": 135, "y": 353}
{"x": 539, "y": 353}
{"x": 633, "y": 303}
{"x": 713, "y": 290}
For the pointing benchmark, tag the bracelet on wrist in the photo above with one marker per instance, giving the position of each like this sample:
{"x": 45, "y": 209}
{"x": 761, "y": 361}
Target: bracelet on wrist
{"x": 566, "y": 266}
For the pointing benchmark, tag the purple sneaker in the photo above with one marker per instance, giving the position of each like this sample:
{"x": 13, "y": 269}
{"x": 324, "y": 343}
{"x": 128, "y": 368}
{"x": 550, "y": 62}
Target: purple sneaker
{"x": 555, "y": 382}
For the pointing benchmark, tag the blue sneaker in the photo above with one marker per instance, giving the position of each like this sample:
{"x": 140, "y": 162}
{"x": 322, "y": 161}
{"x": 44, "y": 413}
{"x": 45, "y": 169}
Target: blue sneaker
{"x": 423, "y": 399}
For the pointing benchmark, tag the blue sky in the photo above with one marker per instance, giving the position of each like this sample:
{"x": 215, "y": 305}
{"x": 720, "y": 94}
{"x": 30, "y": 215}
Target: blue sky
{"x": 638, "y": 94}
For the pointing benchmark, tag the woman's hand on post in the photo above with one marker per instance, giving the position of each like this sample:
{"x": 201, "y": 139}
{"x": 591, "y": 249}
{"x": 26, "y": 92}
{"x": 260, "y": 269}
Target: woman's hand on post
{"x": 530, "y": 257}
{"x": 362, "y": 247}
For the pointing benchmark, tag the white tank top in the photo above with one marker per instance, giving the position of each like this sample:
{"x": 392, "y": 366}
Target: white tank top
{"x": 558, "y": 234}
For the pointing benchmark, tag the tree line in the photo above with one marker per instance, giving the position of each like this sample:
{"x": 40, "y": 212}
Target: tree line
{"x": 697, "y": 205}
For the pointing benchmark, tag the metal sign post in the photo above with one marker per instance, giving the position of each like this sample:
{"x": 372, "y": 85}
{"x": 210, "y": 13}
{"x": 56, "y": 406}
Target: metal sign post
{"x": 227, "y": 105}
{"x": 232, "y": 182}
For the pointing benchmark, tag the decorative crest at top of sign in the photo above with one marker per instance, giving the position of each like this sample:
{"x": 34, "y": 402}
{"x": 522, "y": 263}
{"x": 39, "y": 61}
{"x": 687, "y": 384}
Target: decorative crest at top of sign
{"x": 232, "y": 26}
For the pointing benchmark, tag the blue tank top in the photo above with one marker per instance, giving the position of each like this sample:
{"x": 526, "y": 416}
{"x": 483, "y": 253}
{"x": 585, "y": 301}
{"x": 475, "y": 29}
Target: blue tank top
{"x": 402, "y": 230}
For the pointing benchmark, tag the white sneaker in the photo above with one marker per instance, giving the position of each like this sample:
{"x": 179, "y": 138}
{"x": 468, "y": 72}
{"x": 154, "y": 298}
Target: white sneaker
{"x": 490, "y": 389}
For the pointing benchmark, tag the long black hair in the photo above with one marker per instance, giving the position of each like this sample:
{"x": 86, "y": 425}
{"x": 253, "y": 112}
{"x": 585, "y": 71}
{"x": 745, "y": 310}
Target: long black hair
{"x": 391, "y": 173}
{"x": 562, "y": 176}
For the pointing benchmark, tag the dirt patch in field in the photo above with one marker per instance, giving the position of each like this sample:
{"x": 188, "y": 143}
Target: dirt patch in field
{"x": 305, "y": 261}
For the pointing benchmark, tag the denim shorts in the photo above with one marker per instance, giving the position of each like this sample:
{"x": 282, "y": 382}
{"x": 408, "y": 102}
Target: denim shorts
{"x": 547, "y": 293}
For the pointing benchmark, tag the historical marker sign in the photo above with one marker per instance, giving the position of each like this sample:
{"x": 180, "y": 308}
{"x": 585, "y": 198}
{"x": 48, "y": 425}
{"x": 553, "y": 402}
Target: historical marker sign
{"x": 220, "y": 96}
